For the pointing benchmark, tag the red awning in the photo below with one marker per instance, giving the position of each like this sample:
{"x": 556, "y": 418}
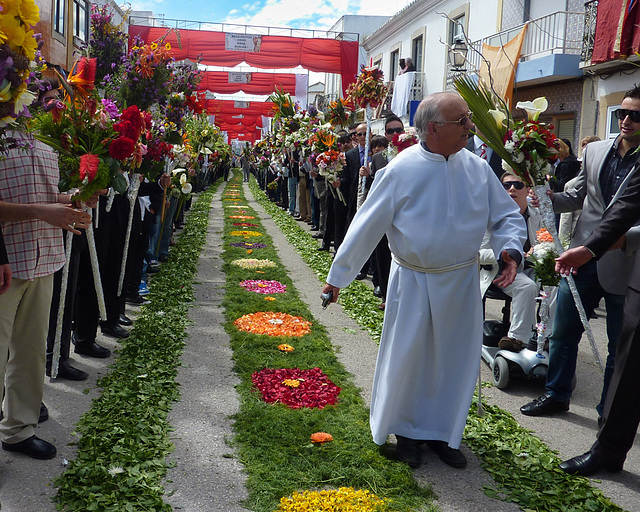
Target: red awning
{"x": 261, "y": 83}
{"x": 228, "y": 107}
{"x": 276, "y": 52}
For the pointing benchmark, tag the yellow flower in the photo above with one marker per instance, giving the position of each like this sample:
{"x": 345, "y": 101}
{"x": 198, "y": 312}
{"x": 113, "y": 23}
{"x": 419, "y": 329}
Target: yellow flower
{"x": 283, "y": 347}
{"x": 154, "y": 46}
{"x": 291, "y": 383}
{"x": 5, "y": 91}
{"x": 30, "y": 45}
{"x": 167, "y": 46}
{"x": 29, "y": 12}
{"x": 13, "y": 30}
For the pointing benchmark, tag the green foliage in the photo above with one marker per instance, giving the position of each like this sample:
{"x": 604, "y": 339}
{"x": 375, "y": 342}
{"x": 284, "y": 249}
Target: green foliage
{"x": 273, "y": 441}
{"x": 125, "y": 435}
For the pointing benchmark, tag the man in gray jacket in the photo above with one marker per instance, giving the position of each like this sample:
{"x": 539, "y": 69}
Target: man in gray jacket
{"x": 607, "y": 168}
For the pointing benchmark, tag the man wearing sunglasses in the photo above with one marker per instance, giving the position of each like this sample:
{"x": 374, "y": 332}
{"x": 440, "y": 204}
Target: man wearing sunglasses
{"x": 607, "y": 167}
{"x": 434, "y": 202}
{"x": 523, "y": 291}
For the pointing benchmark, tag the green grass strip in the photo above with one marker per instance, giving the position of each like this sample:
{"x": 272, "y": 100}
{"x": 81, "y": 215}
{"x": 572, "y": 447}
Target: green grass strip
{"x": 524, "y": 468}
{"x": 124, "y": 443}
{"x": 272, "y": 440}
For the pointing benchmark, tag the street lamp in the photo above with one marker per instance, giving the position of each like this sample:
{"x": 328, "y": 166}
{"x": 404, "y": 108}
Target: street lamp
{"x": 458, "y": 54}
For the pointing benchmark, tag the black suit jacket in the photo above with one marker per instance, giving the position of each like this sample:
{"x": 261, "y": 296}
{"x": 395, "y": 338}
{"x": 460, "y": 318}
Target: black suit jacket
{"x": 495, "y": 162}
{"x": 351, "y": 173}
{"x": 4, "y": 259}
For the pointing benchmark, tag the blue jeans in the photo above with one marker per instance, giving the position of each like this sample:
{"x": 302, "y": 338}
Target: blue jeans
{"x": 567, "y": 331}
{"x": 165, "y": 235}
{"x": 293, "y": 185}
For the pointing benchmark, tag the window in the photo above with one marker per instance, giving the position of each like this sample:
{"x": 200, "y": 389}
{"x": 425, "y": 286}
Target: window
{"x": 81, "y": 20}
{"x": 394, "y": 63}
{"x": 613, "y": 129}
{"x": 456, "y": 28}
{"x": 59, "y": 9}
{"x": 416, "y": 53}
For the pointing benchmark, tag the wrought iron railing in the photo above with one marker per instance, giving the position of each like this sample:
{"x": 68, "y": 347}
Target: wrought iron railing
{"x": 589, "y": 33}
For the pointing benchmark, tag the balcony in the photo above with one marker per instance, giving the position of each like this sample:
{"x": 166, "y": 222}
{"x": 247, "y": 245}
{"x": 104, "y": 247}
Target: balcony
{"x": 551, "y": 50}
{"x": 414, "y": 90}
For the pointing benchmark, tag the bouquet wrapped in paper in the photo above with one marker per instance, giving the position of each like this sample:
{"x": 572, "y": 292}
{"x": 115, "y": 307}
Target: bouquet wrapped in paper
{"x": 399, "y": 143}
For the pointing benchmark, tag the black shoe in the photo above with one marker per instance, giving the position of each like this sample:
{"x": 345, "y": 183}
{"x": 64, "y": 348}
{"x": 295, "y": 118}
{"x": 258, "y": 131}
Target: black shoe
{"x": 317, "y": 235}
{"x": 590, "y": 463}
{"x": 153, "y": 269}
{"x": 66, "y": 371}
{"x": 377, "y": 291}
{"x": 448, "y": 455}
{"x": 323, "y": 248}
{"x": 34, "y": 447}
{"x": 125, "y": 320}
{"x": 137, "y": 300}
{"x": 544, "y": 404}
{"x": 314, "y": 228}
{"x": 92, "y": 349}
{"x": 116, "y": 331}
{"x": 163, "y": 258}
{"x": 408, "y": 450}
{"x": 44, "y": 413}
{"x": 361, "y": 276}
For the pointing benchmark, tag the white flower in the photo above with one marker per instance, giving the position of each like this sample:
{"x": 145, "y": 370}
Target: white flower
{"x": 178, "y": 170}
{"x": 498, "y": 116}
{"x": 115, "y": 470}
{"x": 510, "y": 146}
{"x": 183, "y": 179}
{"x": 534, "y": 108}
{"x": 186, "y": 188}
{"x": 506, "y": 167}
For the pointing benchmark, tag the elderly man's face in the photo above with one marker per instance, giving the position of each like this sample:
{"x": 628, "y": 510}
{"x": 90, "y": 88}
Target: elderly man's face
{"x": 361, "y": 134}
{"x": 453, "y": 131}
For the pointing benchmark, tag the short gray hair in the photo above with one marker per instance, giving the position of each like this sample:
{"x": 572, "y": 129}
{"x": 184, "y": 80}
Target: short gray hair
{"x": 429, "y": 111}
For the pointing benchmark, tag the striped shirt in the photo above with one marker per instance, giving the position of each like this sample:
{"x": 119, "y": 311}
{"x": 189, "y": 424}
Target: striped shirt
{"x": 35, "y": 248}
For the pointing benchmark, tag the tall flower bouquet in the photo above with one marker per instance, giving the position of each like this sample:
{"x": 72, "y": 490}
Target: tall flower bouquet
{"x": 329, "y": 160}
{"x": 17, "y": 50}
{"x": 367, "y": 92}
{"x": 107, "y": 42}
{"x": 337, "y": 114}
{"x": 399, "y": 143}
{"x": 283, "y": 105}
{"x": 525, "y": 146}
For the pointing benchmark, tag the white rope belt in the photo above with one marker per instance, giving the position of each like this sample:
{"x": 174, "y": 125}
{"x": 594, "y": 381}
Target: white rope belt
{"x": 435, "y": 270}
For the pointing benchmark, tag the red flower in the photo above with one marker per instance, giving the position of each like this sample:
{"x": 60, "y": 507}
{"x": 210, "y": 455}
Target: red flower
{"x": 121, "y": 148}
{"x": 133, "y": 115}
{"x": 126, "y": 129}
{"x": 89, "y": 166}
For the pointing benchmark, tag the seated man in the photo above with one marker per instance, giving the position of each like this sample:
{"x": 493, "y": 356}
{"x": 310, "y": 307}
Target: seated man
{"x": 523, "y": 291}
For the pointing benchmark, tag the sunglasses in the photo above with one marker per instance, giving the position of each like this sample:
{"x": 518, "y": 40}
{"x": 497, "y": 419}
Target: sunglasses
{"x": 508, "y": 184}
{"x": 462, "y": 121}
{"x": 352, "y": 134}
{"x": 390, "y": 131}
{"x": 361, "y": 134}
{"x": 622, "y": 113}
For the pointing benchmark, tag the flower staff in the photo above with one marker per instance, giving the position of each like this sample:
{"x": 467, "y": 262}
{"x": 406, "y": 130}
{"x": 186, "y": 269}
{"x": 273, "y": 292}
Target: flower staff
{"x": 368, "y": 91}
{"x": 525, "y": 146}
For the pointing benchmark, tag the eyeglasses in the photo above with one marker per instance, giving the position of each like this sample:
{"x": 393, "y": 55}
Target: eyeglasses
{"x": 361, "y": 134}
{"x": 352, "y": 134}
{"x": 462, "y": 121}
{"x": 508, "y": 184}
{"x": 391, "y": 131}
{"x": 622, "y": 113}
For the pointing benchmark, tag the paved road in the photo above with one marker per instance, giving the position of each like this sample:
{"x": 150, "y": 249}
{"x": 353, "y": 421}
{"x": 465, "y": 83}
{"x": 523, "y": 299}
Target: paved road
{"x": 208, "y": 479}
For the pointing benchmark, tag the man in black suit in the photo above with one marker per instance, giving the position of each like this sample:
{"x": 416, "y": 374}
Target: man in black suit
{"x": 477, "y": 146}
{"x": 621, "y": 415}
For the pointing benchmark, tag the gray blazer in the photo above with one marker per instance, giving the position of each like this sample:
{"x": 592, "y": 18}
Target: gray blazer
{"x": 614, "y": 268}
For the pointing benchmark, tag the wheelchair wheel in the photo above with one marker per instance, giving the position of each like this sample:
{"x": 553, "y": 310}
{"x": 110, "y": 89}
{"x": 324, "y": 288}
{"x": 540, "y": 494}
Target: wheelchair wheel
{"x": 500, "y": 371}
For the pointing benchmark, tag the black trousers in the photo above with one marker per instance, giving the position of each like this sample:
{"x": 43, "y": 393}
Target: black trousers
{"x": 622, "y": 405}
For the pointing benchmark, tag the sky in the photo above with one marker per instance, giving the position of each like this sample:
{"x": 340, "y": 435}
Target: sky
{"x": 303, "y": 14}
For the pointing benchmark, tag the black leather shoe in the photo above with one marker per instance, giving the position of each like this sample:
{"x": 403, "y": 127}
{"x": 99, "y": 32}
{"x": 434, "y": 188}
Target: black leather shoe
{"x": 44, "y": 413}
{"x": 314, "y": 228}
{"x": 590, "y": 463}
{"x": 448, "y": 455}
{"x": 136, "y": 299}
{"x": 66, "y": 371}
{"x": 115, "y": 331}
{"x": 544, "y": 404}
{"x": 408, "y": 451}
{"x": 377, "y": 291}
{"x": 92, "y": 349}
{"x": 34, "y": 447}
{"x": 317, "y": 236}
{"x": 361, "y": 276}
{"x": 153, "y": 268}
{"x": 323, "y": 248}
{"x": 125, "y": 320}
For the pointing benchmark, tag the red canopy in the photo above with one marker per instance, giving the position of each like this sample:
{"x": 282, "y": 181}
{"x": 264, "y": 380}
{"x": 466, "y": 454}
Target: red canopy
{"x": 261, "y": 83}
{"x": 245, "y": 120}
{"x": 228, "y": 107}
{"x": 320, "y": 55}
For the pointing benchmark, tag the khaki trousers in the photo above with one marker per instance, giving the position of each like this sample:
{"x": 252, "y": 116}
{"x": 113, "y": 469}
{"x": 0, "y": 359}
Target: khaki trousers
{"x": 24, "y": 323}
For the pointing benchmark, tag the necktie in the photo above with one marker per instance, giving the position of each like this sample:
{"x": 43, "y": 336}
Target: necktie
{"x": 483, "y": 151}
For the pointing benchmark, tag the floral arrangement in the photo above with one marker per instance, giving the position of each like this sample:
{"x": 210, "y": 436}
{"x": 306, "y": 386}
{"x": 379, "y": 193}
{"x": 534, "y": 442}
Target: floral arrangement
{"x": 283, "y": 105}
{"x": 399, "y": 143}
{"x": 526, "y": 146}
{"x": 107, "y": 42}
{"x": 241, "y": 216}
{"x": 82, "y": 129}
{"x": 321, "y": 438}
{"x": 262, "y": 286}
{"x": 368, "y": 89}
{"x": 248, "y": 245}
{"x": 315, "y": 389}
{"x": 246, "y": 225}
{"x": 337, "y": 114}
{"x": 250, "y": 263}
{"x": 18, "y": 47}
{"x": 544, "y": 256}
{"x": 344, "y": 499}
{"x": 273, "y": 323}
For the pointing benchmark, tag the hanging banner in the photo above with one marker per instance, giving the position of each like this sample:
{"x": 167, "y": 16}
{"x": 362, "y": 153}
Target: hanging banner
{"x": 241, "y": 104}
{"x": 242, "y": 42}
{"x": 239, "y": 78}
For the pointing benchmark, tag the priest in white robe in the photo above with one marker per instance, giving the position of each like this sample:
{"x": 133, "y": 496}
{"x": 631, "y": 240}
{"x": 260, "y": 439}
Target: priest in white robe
{"x": 434, "y": 201}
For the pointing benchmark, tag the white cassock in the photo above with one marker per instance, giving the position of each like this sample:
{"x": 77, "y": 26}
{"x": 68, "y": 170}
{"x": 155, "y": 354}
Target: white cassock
{"x": 434, "y": 212}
